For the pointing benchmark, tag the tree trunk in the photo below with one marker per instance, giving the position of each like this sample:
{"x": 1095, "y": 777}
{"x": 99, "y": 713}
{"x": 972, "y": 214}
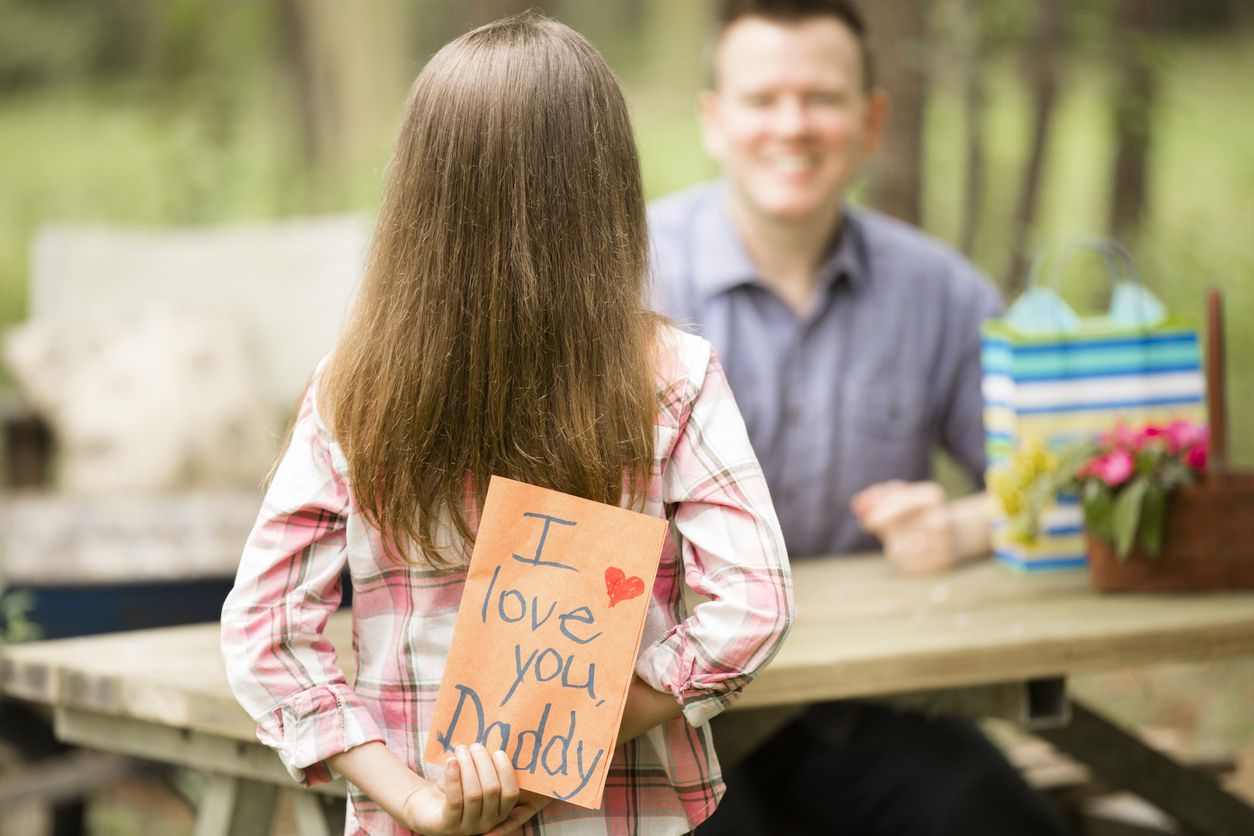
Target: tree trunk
{"x": 347, "y": 66}
{"x": 301, "y": 77}
{"x": 1043, "y": 79}
{"x": 898, "y": 30}
{"x": 974, "y": 52}
{"x": 1135, "y": 98}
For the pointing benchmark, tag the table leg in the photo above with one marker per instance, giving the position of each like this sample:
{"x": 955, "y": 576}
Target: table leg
{"x": 236, "y": 807}
{"x": 1120, "y": 759}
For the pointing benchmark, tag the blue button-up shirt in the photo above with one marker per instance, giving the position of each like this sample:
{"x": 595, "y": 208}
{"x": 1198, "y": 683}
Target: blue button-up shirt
{"x": 858, "y": 390}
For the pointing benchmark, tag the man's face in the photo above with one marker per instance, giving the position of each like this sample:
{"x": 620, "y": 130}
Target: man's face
{"x": 790, "y": 119}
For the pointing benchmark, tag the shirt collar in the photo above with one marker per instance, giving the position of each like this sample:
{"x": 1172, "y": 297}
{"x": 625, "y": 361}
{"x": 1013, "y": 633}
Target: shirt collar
{"x": 721, "y": 262}
{"x": 846, "y": 259}
{"x": 719, "y": 258}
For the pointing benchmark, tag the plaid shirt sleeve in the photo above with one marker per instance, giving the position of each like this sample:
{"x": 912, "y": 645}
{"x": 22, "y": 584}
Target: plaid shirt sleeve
{"x": 280, "y": 665}
{"x": 732, "y": 551}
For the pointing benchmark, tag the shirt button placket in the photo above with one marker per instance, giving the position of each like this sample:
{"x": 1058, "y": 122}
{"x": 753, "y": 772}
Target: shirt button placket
{"x": 795, "y": 412}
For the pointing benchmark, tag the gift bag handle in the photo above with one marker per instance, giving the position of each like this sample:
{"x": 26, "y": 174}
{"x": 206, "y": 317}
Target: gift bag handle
{"x": 1119, "y": 264}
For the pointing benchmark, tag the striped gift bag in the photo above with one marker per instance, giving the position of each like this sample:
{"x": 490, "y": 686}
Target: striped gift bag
{"x": 1051, "y": 378}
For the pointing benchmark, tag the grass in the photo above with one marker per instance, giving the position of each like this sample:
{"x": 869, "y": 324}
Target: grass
{"x": 108, "y": 156}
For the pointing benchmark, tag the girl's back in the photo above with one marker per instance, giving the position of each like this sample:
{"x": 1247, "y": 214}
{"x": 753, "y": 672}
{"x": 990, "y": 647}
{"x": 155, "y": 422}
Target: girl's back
{"x": 502, "y": 328}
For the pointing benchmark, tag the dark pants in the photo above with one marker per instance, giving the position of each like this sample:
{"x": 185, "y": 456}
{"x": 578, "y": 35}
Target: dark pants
{"x": 866, "y": 770}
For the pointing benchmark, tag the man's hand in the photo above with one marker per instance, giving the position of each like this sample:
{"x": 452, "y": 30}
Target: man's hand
{"x": 919, "y": 530}
{"x": 476, "y": 794}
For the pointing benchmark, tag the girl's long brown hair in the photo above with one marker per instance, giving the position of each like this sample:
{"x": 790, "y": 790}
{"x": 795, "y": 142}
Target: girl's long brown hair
{"x": 501, "y": 326}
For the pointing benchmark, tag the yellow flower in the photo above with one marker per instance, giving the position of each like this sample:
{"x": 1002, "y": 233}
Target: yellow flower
{"x": 1012, "y": 485}
{"x": 1005, "y": 486}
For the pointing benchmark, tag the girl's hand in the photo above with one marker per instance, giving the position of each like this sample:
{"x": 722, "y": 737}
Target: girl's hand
{"x": 529, "y": 804}
{"x": 476, "y": 793}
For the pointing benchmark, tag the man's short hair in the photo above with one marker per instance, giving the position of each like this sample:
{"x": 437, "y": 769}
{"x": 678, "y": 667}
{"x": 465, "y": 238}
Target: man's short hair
{"x": 793, "y": 11}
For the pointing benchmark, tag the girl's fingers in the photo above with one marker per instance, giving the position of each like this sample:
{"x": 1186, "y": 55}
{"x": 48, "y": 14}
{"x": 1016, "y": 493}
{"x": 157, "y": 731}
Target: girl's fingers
{"x": 510, "y": 825}
{"x": 529, "y": 805}
{"x": 472, "y": 792}
{"x": 451, "y": 784}
{"x": 514, "y": 822}
{"x": 489, "y": 785}
{"x": 509, "y": 782}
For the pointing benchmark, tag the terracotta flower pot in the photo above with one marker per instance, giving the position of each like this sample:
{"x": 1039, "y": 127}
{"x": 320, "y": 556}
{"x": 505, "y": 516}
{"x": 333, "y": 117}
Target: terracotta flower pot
{"x": 1208, "y": 542}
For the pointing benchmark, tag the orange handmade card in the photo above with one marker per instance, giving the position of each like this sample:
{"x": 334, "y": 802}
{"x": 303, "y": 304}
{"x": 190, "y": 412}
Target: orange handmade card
{"x": 547, "y": 635}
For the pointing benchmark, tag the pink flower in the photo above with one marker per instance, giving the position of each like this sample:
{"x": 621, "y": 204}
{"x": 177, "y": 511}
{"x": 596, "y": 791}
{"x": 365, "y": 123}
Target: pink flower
{"x": 1148, "y": 434}
{"x": 1182, "y": 435}
{"x": 1113, "y": 468}
{"x": 1196, "y": 457}
{"x": 1122, "y": 436}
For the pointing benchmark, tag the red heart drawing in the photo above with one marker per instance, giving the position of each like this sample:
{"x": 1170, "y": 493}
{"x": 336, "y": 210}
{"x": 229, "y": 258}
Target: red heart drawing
{"x": 620, "y": 587}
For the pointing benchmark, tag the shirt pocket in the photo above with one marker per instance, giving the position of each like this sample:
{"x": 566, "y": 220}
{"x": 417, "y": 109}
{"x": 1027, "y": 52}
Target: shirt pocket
{"x": 888, "y": 411}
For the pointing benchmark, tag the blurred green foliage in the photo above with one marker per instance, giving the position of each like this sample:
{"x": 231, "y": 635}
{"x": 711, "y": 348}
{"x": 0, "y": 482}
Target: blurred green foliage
{"x": 14, "y": 624}
{"x": 183, "y": 112}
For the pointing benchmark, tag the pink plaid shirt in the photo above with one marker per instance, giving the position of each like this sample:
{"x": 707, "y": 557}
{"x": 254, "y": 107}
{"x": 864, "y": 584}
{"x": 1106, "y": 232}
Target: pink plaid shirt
{"x": 725, "y": 545}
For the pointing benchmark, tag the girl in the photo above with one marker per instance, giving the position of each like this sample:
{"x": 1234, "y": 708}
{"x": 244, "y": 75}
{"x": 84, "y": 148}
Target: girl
{"x": 502, "y": 328}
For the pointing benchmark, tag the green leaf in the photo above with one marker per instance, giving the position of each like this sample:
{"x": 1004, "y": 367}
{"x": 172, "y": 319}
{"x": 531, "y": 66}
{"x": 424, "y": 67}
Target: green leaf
{"x": 1126, "y": 515}
{"x": 1098, "y": 504}
{"x": 1153, "y": 513}
{"x": 1071, "y": 459}
{"x": 14, "y": 625}
{"x": 1174, "y": 474}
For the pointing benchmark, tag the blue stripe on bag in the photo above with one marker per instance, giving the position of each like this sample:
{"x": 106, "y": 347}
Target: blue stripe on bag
{"x": 1068, "y": 360}
{"x": 1149, "y": 370}
{"x": 1108, "y": 405}
{"x": 1039, "y": 564}
{"x": 1100, "y": 344}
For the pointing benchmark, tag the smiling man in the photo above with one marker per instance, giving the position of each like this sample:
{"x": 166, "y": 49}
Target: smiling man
{"x": 851, "y": 341}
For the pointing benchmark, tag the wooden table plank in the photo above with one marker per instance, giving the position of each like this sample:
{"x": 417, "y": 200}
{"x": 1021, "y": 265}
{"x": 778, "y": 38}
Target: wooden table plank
{"x": 862, "y": 630}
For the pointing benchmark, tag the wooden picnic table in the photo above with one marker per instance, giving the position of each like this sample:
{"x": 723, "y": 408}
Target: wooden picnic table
{"x": 978, "y": 638}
